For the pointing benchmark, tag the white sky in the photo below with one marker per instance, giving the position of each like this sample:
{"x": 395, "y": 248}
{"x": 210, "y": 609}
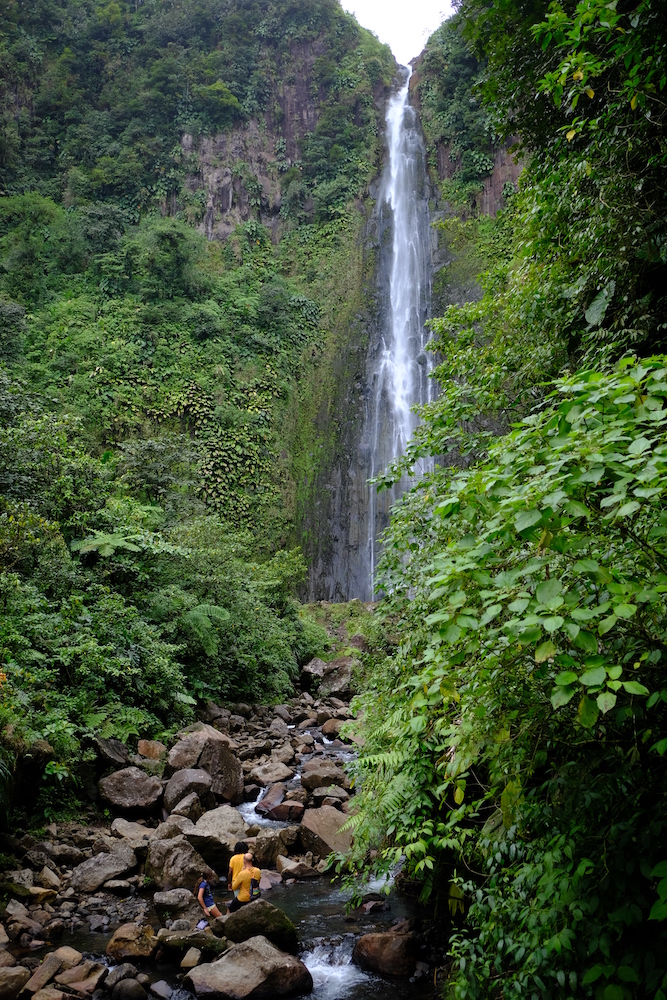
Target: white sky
{"x": 403, "y": 24}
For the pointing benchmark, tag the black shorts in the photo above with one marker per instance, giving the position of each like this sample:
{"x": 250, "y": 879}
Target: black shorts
{"x": 236, "y": 905}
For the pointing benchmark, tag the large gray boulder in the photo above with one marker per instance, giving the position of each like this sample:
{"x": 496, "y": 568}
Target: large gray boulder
{"x": 91, "y": 874}
{"x": 262, "y": 918}
{"x": 337, "y": 679}
{"x": 270, "y": 844}
{"x": 271, "y": 773}
{"x": 321, "y": 774}
{"x": 225, "y": 769}
{"x": 181, "y": 783}
{"x": 173, "y": 864}
{"x": 178, "y": 904}
{"x": 321, "y": 831}
{"x": 12, "y": 980}
{"x": 215, "y": 835}
{"x": 131, "y": 790}
{"x": 253, "y": 969}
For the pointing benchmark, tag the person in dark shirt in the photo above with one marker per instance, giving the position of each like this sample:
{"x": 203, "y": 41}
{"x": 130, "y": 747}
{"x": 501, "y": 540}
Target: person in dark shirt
{"x": 205, "y": 895}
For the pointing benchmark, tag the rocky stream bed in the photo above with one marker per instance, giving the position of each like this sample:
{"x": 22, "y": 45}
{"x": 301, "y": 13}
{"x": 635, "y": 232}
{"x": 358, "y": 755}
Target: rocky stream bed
{"x": 108, "y": 911}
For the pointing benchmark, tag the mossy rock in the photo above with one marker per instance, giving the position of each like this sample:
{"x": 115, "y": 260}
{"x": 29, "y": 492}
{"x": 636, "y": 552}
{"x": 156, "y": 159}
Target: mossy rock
{"x": 263, "y": 918}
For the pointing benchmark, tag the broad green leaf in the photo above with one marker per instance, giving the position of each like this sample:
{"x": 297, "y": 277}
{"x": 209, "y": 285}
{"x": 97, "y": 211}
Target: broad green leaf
{"x": 552, "y": 623}
{"x": 658, "y": 910}
{"x": 588, "y": 712}
{"x": 628, "y": 508}
{"x": 526, "y": 519}
{"x": 594, "y": 316}
{"x": 544, "y": 651}
{"x": 627, "y": 974}
{"x": 625, "y": 610}
{"x": 660, "y": 870}
{"x": 593, "y": 678}
{"x": 572, "y": 629}
{"x": 577, "y": 509}
{"x": 586, "y": 641}
{"x": 566, "y": 677}
{"x": 634, "y": 687}
{"x": 606, "y": 701}
{"x": 607, "y": 624}
{"x": 490, "y": 614}
{"x": 549, "y": 589}
{"x": 613, "y": 992}
{"x": 638, "y": 446}
{"x": 561, "y": 696}
{"x": 592, "y": 975}
{"x": 615, "y": 672}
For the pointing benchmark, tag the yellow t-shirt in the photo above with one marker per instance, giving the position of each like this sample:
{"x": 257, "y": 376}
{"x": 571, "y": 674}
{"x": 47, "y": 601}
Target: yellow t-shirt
{"x": 242, "y": 882}
{"x": 236, "y": 865}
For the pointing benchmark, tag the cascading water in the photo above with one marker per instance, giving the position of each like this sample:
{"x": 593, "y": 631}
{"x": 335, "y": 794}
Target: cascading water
{"x": 399, "y": 365}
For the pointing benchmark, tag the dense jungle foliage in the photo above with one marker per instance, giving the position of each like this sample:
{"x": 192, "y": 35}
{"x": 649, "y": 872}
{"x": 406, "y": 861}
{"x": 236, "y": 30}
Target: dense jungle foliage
{"x": 152, "y": 384}
{"x": 516, "y": 737}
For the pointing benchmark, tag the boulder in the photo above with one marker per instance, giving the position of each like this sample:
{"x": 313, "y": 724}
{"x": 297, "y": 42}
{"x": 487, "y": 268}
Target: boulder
{"x": 44, "y": 973}
{"x": 388, "y": 953}
{"x": 91, "y": 874}
{"x": 173, "y": 826}
{"x": 190, "y": 807}
{"x": 337, "y": 678}
{"x": 124, "y": 971}
{"x": 130, "y": 831}
{"x": 285, "y": 754}
{"x": 320, "y": 831}
{"x": 224, "y": 768}
{"x": 48, "y": 993}
{"x": 191, "y": 958}
{"x": 69, "y": 957}
{"x": 329, "y": 792}
{"x": 262, "y": 918}
{"x": 48, "y": 879}
{"x": 271, "y": 772}
{"x": 18, "y": 883}
{"x": 84, "y": 978}
{"x": 178, "y": 904}
{"x": 182, "y": 940}
{"x": 128, "y": 989}
{"x": 113, "y": 752}
{"x": 132, "y": 941}
{"x": 332, "y": 727}
{"x": 271, "y": 843}
{"x": 273, "y": 797}
{"x": 295, "y": 869}
{"x": 131, "y": 790}
{"x": 254, "y": 968}
{"x": 287, "y": 812}
{"x": 312, "y": 673}
{"x": 319, "y": 773}
{"x": 12, "y": 980}
{"x": 215, "y": 835}
{"x": 151, "y": 749}
{"x": 173, "y": 863}
{"x": 181, "y": 783}
{"x": 185, "y": 753}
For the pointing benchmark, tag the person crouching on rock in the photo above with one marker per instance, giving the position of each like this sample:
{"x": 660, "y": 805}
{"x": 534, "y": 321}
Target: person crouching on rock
{"x": 236, "y": 864}
{"x": 247, "y": 883}
{"x": 205, "y": 895}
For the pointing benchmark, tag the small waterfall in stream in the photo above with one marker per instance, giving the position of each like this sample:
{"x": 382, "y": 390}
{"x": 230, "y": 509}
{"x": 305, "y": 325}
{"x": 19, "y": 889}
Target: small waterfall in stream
{"x": 399, "y": 365}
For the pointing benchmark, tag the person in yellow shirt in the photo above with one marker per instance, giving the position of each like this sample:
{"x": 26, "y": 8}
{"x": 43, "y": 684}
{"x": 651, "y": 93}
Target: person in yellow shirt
{"x": 236, "y": 864}
{"x": 247, "y": 883}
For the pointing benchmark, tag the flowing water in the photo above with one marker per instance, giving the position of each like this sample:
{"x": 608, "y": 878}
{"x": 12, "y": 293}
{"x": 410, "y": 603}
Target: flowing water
{"x": 399, "y": 364}
{"x": 327, "y": 933}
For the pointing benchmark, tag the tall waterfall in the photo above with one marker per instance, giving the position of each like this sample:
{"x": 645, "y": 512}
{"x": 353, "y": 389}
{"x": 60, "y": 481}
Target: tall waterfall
{"x": 399, "y": 365}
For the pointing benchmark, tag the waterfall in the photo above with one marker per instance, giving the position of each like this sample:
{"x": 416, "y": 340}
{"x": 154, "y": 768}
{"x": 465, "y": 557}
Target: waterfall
{"x": 399, "y": 365}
